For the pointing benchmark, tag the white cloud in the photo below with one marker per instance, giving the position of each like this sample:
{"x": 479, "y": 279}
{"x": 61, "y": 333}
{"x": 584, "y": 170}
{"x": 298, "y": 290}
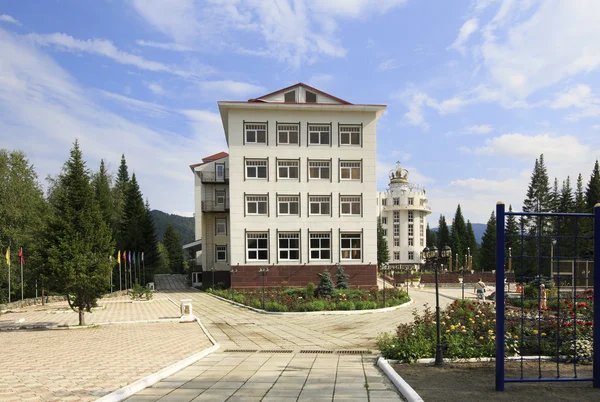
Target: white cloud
{"x": 9, "y": 19}
{"x": 581, "y": 97}
{"x": 174, "y": 47}
{"x": 45, "y": 109}
{"x": 148, "y": 108}
{"x": 233, "y": 88}
{"x": 465, "y": 32}
{"x": 155, "y": 88}
{"x": 294, "y": 32}
{"x": 106, "y": 48}
{"x": 386, "y": 65}
{"x": 480, "y": 129}
{"x": 320, "y": 80}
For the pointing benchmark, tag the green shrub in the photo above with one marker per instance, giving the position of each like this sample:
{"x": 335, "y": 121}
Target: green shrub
{"x": 139, "y": 292}
{"x": 325, "y": 288}
{"x": 295, "y": 292}
{"x": 239, "y": 299}
{"x": 341, "y": 278}
{"x": 370, "y": 305}
{"x": 310, "y": 289}
{"x": 345, "y": 305}
{"x": 255, "y": 302}
{"x": 315, "y": 305}
{"x": 274, "y": 306}
{"x": 407, "y": 349}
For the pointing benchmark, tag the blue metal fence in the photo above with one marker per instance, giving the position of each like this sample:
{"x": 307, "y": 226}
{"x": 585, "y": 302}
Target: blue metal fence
{"x": 548, "y": 318}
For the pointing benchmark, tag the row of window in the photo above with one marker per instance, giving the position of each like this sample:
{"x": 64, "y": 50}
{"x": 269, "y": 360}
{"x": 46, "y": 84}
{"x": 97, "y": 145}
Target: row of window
{"x": 258, "y": 204}
{"x": 396, "y": 201}
{"x": 290, "y": 169}
{"x": 411, "y": 215}
{"x": 316, "y": 134}
{"x": 411, "y": 255}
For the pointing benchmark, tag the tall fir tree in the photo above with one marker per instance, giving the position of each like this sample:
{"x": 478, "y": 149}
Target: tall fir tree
{"x": 119, "y": 193}
{"x": 554, "y": 197}
{"x": 473, "y": 247}
{"x": 101, "y": 182}
{"x": 150, "y": 244}
{"x": 431, "y": 237}
{"x": 174, "y": 250}
{"x": 512, "y": 231}
{"x": 566, "y": 203}
{"x": 580, "y": 205}
{"x": 132, "y": 221}
{"x": 443, "y": 234}
{"x": 383, "y": 252}
{"x": 459, "y": 235}
{"x": 78, "y": 242}
{"x": 592, "y": 192}
{"x": 487, "y": 253}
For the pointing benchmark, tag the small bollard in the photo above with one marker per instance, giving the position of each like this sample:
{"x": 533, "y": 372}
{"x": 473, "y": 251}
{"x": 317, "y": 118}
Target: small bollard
{"x": 151, "y": 286}
{"x": 186, "y": 311}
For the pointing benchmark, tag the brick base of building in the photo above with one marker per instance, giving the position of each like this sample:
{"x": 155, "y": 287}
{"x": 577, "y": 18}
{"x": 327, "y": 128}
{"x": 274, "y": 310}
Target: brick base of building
{"x": 364, "y": 275}
{"x": 452, "y": 277}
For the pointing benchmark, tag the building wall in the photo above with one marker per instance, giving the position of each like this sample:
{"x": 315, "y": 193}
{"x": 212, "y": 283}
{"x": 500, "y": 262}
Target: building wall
{"x": 240, "y": 223}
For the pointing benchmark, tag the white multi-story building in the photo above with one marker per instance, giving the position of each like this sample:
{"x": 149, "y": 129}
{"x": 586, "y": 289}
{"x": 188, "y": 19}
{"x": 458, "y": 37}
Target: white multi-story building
{"x": 296, "y": 193}
{"x": 403, "y": 210}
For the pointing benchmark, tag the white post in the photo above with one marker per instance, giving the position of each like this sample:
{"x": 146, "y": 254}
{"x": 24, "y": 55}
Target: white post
{"x": 21, "y": 261}
{"x": 186, "y": 310}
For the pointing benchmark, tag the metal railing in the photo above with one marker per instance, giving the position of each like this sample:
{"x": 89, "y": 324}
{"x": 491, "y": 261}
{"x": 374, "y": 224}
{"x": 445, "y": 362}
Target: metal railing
{"x": 213, "y": 176}
{"x": 214, "y": 206}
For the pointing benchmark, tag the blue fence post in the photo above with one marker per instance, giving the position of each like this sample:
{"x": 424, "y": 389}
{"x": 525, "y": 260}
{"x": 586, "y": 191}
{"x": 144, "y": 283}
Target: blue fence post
{"x": 500, "y": 296}
{"x": 596, "y": 330}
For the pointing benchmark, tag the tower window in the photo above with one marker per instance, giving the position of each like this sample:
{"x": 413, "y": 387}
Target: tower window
{"x": 311, "y": 97}
{"x": 290, "y": 96}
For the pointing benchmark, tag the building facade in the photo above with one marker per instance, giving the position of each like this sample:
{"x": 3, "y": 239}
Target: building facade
{"x": 403, "y": 211}
{"x": 301, "y": 191}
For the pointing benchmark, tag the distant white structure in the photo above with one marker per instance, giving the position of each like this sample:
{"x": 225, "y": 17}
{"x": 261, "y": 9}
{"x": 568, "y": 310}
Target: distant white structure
{"x": 403, "y": 210}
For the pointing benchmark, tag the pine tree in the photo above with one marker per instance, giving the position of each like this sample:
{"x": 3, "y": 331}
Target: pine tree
{"x": 511, "y": 232}
{"x": 473, "y": 247}
{"x": 443, "y": 234}
{"x": 538, "y": 193}
{"x": 163, "y": 265}
{"x": 78, "y": 241}
{"x": 134, "y": 214}
{"x": 119, "y": 192}
{"x": 592, "y": 192}
{"x": 554, "y": 197}
{"x": 459, "y": 235}
{"x": 325, "y": 287}
{"x": 341, "y": 277}
{"x": 431, "y": 237}
{"x": 580, "y": 205}
{"x": 487, "y": 254}
{"x": 383, "y": 253}
{"x": 566, "y": 203}
{"x": 150, "y": 244}
{"x": 102, "y": 194}
{"x": 174, "y": 250}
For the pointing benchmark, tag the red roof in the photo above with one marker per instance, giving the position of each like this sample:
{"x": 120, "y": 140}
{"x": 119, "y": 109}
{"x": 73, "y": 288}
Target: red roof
{"x": 210, "y": 158}
{"x": 302, "y": 85}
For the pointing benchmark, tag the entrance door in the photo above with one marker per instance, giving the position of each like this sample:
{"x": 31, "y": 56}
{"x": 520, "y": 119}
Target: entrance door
{"x": 196, "y": 278}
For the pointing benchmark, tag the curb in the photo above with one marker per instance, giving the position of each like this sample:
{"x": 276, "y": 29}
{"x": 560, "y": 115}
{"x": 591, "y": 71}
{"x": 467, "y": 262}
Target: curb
{"x": 332, "y": 312}
{"x": 406, "y": 390}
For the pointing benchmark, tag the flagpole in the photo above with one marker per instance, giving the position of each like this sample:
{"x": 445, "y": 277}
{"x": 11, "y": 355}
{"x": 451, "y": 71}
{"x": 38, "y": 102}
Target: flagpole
{"x": 8, "y": 262}
{"x": 120, "y": 277}
{"x": 21, "y": 259}
{"x": 130, "y": 281}
{"x": 143, "y": 269}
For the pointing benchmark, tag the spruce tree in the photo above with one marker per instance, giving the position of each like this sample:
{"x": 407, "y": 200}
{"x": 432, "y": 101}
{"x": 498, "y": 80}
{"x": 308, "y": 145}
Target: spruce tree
{"x": 119, "y": 193}
{"x": 132, "y": 221}
{"x": 554, "y": 197}
{"x": 443, "y": 234}
{"x": 473, "y": 247}
{"x": 511, "y": 233}
{"x": 459, "y": 235}
{"x": 174, "y": 250}
{"x": 580, "y": 205}
{"x": 431, "y": 237}
{"x": 150, "y": 244}
{"x": 592, "y": 192}
{"x": 325, "y": 288}
{"x": 341, "y": 277}
{"x": 538, "y": 193}
{"x": 383, "y": 253}
{"x": 487, "y": 254}
{"x": 163, "y": 265}
{"x": 566, "y": 203}
{"x": 78, "y": 241}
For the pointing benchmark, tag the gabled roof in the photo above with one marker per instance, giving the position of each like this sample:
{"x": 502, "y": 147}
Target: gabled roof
{"x": 300, "y": 84}
{"x": 210, "y": 158}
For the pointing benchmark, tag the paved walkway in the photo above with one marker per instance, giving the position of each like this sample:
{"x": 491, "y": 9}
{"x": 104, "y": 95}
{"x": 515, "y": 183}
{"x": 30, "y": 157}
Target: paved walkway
{"x": 283, "y": 358}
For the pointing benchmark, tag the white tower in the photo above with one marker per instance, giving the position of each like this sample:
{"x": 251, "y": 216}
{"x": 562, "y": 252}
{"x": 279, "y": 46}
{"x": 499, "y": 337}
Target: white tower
{"x": 403, "y": 210}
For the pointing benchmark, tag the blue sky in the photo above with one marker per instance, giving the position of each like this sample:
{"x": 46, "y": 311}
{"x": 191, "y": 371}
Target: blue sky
{"x": 476, "y": 90}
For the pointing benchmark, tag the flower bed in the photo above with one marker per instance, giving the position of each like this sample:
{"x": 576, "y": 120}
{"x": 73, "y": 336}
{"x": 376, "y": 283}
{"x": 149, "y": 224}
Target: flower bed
{"x": 305, "y": 299}
{"x": 468, "y": 331}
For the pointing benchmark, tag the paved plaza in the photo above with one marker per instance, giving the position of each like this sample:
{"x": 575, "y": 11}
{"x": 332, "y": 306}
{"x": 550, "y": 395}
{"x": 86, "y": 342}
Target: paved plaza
{"x": 262, "y": 357}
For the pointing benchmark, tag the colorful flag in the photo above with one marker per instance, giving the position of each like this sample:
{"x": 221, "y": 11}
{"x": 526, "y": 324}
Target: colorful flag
{"x": 119, "y": 256}
{"x": 8, "y": 256}
{"x": 20, "y": 255}
{"x": 125, "y": 256}
{"x": 129, "y": 257}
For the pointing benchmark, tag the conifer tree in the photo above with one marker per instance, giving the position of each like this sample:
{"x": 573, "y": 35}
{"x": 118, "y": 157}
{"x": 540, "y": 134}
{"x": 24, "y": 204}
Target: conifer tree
{"x": 383, "y": 253}
{"x": 473, "y": 247}
{"x": 132, "y": 221}
{"x": 78, "y": 241}
{"x": 554, "y": 197}
{"x": 325, "y": 287}
{"x": 511, "y": 232}
{"x": 431, "y": 237}
{"x": 487, "y": 254}
{"x": 341, "y": 277}
{"x": 119, "y": 193}
{"x": 443, "y": 234}
{"x": 150, "y": 244}
{"x": 459, "y": 234}
{"x": 580, "y": 205}
{"x": 592, "y": 192}
{"x": 174, "y": 250}
{"x": 566, "y": 202}
{"x": 102, "y": 194}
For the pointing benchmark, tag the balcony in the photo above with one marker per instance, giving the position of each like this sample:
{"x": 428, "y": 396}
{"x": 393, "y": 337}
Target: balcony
{"x": 214, "y": 176}
{"x": 410, "y": 207}
{"x": 213, "y": 206}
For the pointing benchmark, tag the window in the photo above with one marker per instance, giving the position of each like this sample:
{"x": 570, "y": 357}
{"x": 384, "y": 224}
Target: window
{"x": 220, "y": 196}
{"x": 421, "y": 231}
{"x": 256, "y": 168}
{"x": 396, "y": 216}
{"x": 351, "y": 244}
{"x": 221, "y": 224}
{"x": 422, "y": 218}
{"x": 410, "y": 230}
{"x": 221, "y": 253}
{"x": 349, "y": 135}
{"x": 289, "y": 246}
{"x": 396, "y": 201}
{"x": 350, "y": 205}
{"x": 288, "y": 134}
{"x": 287, "y": 169}
{"x": 311, "y": 97}
{"x": 319, "y": 134}
{"x": 320, "y": 246}
{"x": 411, "y": 241}
{"x": 320, "y": 205}
{"x": 290, "y": 96}
{"x": 422, "y": 242}
{"x": 396, "y": 229}
{"x": 350, "y": 170}
{"x": 256, "y": 133}
{"x": 411, "y": 255}
{"x": 396, "y": 242}
{"x": 410, "y": 216}
{"x": 257, "y": 246}
{"x": 288, "y": 205}
{"x": 319, "y": 169}
{"x": 257, "y": 204}
{"x": 384, "y": 220}
{"x": 396, "y": 255}
{"x": 411, "y": 201}
{"x": 384, "y": 201}
{"x": 385, "y": 232}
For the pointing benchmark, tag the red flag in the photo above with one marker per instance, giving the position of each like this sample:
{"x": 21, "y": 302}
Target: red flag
{"x": 20, "y": 255}
{"x": 124, "y": 256}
